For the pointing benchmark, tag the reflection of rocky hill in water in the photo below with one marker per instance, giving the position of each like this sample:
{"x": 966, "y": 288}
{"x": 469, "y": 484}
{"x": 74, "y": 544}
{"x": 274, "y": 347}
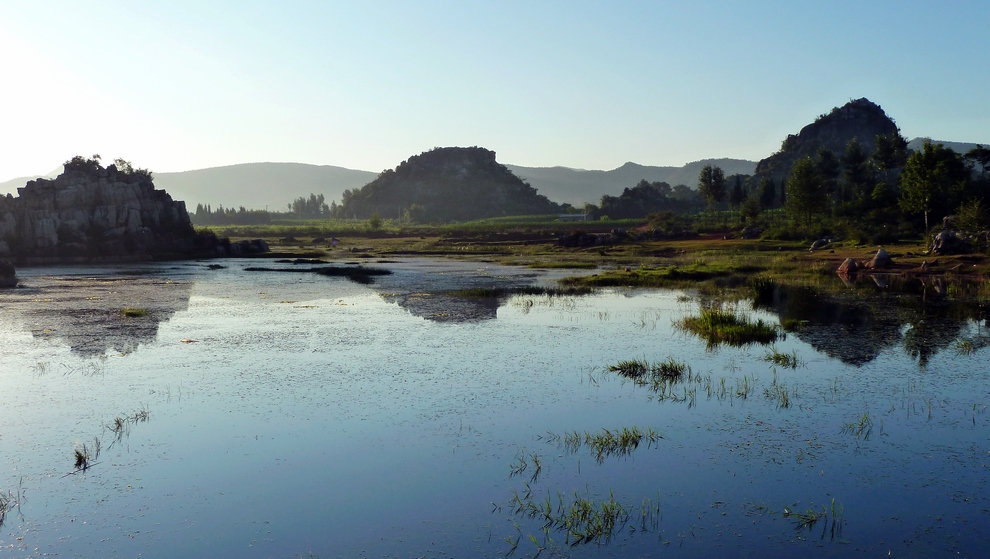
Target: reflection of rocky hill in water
{"x": 428, "y": 291}
{"x": 85, "y": 312}
{"x": 855, "y": 326}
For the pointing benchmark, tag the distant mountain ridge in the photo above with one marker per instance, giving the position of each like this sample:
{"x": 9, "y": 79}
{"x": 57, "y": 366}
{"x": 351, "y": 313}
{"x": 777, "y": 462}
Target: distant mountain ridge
{"x": 576, "y": 186}
{"x": 275, "y": 185}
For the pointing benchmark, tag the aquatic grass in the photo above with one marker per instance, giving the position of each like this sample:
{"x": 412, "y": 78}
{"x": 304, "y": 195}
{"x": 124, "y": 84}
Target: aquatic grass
{"x": 832, "y": 516}
{"x": 778, "y": 393}
{"x": 786, "y": 360}
{"x": 607, "y": 442}
{"x": 86, "y": 456}
{"x": 637, "y": 369}
{"x": 134, "y": 312}
{"x": 861, "y": 428}
{"x": 717, "y": 327}
{"x": 534, "y": 290}
{"x": 582, "y": 519}
{"x": 7, "y": 502}
{"x": 668, "y": 277}
{"x": 120, "y": 426}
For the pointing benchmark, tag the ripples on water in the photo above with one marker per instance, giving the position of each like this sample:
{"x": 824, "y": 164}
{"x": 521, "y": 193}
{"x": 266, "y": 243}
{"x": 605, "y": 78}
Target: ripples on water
{"x": 295, "y": 414}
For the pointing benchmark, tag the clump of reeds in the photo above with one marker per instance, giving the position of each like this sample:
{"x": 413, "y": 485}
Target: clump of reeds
{"x": 582, "y": 519}
{"x": 120, "y": 426}
{"x": 86, "y": 456}
{"x": 717, "y": 326}
{"x": 7, "y": 502}
{"x": 786, "y": 360}
{"x": 862, "y": 428}
{"x": 134, "y": 312}
{"x": 642, "y": 370}
{"x": 608, "y": 442}
{"x": 832, "y": 516}
{"x": 522, "y": 464}
{"x": 532, "y": 290}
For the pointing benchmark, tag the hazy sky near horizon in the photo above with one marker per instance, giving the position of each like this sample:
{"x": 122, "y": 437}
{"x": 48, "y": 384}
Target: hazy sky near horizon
{"x": 178, "y": 85}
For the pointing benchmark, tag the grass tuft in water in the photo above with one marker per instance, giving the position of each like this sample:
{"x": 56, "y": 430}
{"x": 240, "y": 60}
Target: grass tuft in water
{"x": 862, "y": 428}
{"x": 120, "y": 426}
{"x": 582, "y": 519}
{"x": 786, "y": 360}
{"x": 608, "y": 442}
{"x": 134, "y": 312}
{"x": 86, "y": 456}
{"x": 717, "y": 326}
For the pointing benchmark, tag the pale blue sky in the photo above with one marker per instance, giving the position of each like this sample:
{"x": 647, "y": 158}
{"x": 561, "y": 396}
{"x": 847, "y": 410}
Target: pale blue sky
{"x": 178, "y": 85}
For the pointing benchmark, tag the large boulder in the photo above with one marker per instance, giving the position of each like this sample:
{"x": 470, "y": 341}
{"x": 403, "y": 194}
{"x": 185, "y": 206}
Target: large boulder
{"x": 848, "y": 266}
{"x": 880, "y": 260}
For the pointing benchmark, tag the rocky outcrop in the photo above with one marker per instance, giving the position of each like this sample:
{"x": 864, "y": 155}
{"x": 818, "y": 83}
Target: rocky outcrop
{"x": 861, "y": 119}
{"x": 92, "y": 213}
{"x": 446, "y": 184}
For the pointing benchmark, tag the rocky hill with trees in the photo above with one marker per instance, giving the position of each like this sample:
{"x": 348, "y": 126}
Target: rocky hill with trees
{"x": 860, "y": 119}
{"x": 442, "y": 185}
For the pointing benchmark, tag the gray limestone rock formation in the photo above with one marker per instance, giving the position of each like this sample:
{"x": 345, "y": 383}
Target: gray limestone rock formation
{"x": 91, "y": 213}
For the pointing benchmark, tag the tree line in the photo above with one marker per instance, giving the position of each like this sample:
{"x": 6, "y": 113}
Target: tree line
{"x": 876, "y": 196}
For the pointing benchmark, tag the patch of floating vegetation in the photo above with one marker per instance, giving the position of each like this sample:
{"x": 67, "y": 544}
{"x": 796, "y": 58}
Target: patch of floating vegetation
{"x": 358, "y": 274}
{"x": 718, "y": 326}
{"x": 532, "y": 290}
{"x": 618, "y": 442}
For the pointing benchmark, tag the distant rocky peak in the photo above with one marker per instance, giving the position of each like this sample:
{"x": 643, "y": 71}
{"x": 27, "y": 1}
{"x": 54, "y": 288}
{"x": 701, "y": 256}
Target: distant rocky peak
{"x": 860, "y": 118}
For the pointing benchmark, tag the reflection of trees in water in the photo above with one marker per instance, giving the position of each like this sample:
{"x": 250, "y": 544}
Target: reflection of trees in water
{"x": 856, "y": 324}
{"x": 85, "y": 313}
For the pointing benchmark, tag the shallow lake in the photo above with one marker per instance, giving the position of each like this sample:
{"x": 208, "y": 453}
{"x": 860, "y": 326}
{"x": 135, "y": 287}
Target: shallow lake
{"x": 265, "y": 414}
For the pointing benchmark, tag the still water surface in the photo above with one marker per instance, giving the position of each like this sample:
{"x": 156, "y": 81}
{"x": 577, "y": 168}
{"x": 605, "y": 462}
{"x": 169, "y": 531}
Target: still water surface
{"x": 299, "y": 415}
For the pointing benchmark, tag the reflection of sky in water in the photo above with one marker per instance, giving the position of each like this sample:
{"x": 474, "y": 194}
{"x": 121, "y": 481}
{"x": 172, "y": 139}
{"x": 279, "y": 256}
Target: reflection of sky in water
{"x": 319, "y": 415}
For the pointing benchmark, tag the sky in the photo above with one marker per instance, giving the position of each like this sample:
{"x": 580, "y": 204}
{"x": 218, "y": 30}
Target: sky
{"x": 178, "y": 85}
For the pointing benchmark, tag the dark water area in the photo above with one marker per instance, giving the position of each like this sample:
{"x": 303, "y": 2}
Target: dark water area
{"x": 294, "y": 415}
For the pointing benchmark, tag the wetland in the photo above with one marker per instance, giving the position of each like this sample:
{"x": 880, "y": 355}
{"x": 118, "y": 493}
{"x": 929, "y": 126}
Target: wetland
{"x": 425, "y": 407}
